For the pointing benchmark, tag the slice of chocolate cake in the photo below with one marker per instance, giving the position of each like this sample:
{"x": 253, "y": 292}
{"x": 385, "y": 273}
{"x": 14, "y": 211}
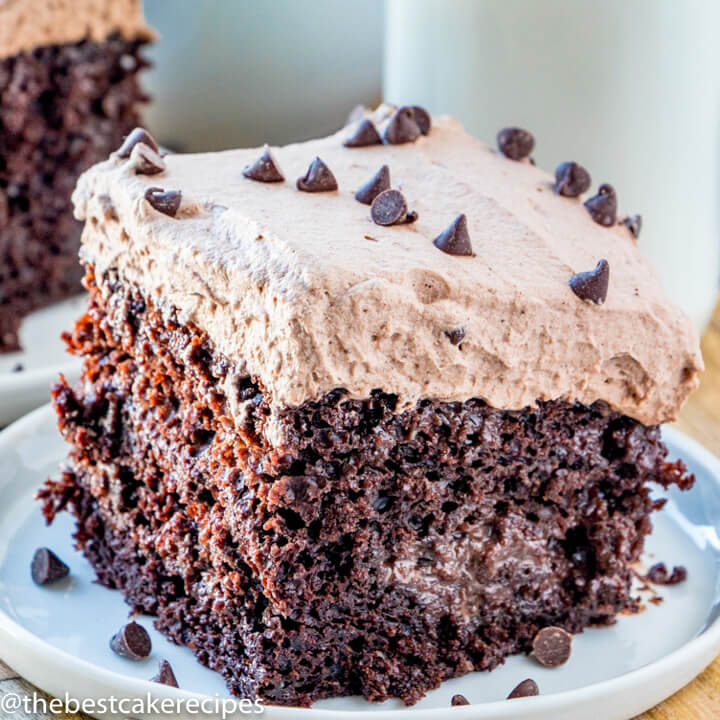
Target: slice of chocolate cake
{"x": 68, "y": 94}
{"x": 359, "y": 446}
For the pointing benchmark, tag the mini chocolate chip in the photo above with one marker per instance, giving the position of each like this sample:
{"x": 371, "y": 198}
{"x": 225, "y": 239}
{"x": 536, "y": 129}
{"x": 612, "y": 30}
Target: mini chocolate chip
{"x": 145, "y": 161}
{"x": 137, "y": 135}
{"x": 592, "y": 285}
{"x": 131, "y": 641}
{"x": 603, "y": 206}
{"x": 459, "y": 700}
{"x": 165, "y": 201}
{"x": 455, "y": 239}
{"x": 571, "y": 179}
{"x": 634, "y": 224}
{"x": 378, "y": 183}
{"x": 515, "y": 143}
{"x": 264, "y": 169}
{"x": 47, "y": 567}
{"x": 165, "y": 675}
{"x": 658, "y": 574}
{"x": 455, "y": 336}
{"x": 552, "y": 646}
{"x": 410, "y": 218}
{"x": 318, "y": 178}
{"x": 527, "y": 688}
{"x": 422, "y": 118}
{"x": 365, "y": 134}
{"x": 402, "y": 127}
{"x": 388, "y": 208}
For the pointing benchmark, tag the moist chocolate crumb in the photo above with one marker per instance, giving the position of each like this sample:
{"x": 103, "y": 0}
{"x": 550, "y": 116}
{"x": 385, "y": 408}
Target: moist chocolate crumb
{"x": 592, "y": 286}
{"x": 571, "y": 179}
{"x": 402, "y": 127}
{"x": 455, "y": 336}
{"x": 165, "y": 675}
{"x": 145, "y": 161}
{"x": 165, "y": 201}
{"x": 318, "y": 178}
{"x": 264, "y": 169}
{"x": 658, "y": 574}
{"x": 634, "y": 224}
{"x": 527, "y": 688}
{"x": 459, "y": 700}
{"x": 552, "y": 646}
{"x": 378, "y": 183}
{"x": 422, "y": 119}
{"x": 47, "y": 567}
{"x": 455, "y": 239}
{"x": 603, "y": 206}
{"x": 515, "y": 143}
{"x": 137, "y": 135}
{"x": 131, "y": 641}
{"x": 364, "y": 134}
{"x": 388, "y": 208}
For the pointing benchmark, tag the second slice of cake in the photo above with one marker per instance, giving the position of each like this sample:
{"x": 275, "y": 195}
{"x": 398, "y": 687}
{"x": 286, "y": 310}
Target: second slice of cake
{"x": 339, "y": 457}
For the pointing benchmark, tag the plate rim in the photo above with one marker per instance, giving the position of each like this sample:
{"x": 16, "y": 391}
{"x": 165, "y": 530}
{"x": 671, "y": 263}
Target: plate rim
{"x": 705, "y": 645}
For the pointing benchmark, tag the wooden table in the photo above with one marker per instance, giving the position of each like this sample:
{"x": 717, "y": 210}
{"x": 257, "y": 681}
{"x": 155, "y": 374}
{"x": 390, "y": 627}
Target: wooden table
{"x": 700, "y": 418}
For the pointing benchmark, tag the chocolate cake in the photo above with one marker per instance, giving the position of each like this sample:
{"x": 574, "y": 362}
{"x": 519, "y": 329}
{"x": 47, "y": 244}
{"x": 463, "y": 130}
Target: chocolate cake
{"x": 68, "y": 94}
{"x": 336, "y": 457}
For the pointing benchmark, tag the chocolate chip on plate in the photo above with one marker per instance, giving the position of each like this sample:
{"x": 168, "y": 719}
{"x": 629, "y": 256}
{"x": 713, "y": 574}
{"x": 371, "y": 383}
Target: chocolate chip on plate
{"x": 165, "y": 675}
{"x": 389, "y": 208}
{"x": 658, "y": 574}
{"x": 455, "y": 239}
{"x": 318, "y": 178}
{"x": 603, "y": 206}
{"x": 422, "y": 119}
{"x": 552, "y": 646}
{"x": 364, "y": 134}
{"x": 515, "y": 143}
{"x": 459, "y": 700}
{"x": 592, "y": 286}
{"x": 527, "y": 688}
{"x": 137, "y": 135}
{"x": 402, "y": 127}
{"x": 634, "y": 224}
{"x": 165, "y": 201}
{"x": 571, "y": 179}
{"x": 411, "y": 217}
{"x": 264, "y": 169}
{"x": 131, "y": 641}
{"x": 47, "y": 567}
{"x": 145, "y": 161}
{"x": 455, "y": 336}
{"x": 378, "y": 183}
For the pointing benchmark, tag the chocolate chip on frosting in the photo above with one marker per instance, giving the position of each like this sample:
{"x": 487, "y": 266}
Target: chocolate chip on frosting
{"x": 552, "y": 646}
{"x": 634, "y": 224}
{"x": 318, "y": 178}
{"x": 137, "y": 135}
{"x": 402, "y": 128}
{"x": 145, "y": 161}
{"x": 603, "y": 206}
{"x": 365, "y": 134}
{"x": 455, "y": 239}
{"x": 422, "y": 118}
{"x": 515, "y": 143}
{"x": 164, "y": 201}
{"x": 571, "y": 179}
{"x": 378, "y": 183}
{"x": 592, "y": 286}
{"x": 527, "y": 688}
{"x": 455, "y": 336}
{"x": 264, "y": 169}
{"x": 389, "y": 208}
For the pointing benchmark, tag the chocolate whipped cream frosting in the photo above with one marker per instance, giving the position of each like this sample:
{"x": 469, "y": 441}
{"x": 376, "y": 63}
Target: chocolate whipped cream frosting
{"x": 26, "y": 24}
{"x": 308, "y": 294}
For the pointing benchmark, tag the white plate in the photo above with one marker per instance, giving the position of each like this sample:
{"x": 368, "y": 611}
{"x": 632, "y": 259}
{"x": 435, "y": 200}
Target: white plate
{"x": 42, "y": 358}
{"x": 58, "y": 637}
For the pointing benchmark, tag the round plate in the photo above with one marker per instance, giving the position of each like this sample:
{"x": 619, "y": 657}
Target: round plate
{"x": 57, "y": 637}
{"x": 42, "y": 359}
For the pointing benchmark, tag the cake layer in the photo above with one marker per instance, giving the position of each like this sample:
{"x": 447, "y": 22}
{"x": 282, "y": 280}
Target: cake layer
{"x": 305, "y": 291}
{"x": 62, "y": 108}
{"x": 367, "y": 549}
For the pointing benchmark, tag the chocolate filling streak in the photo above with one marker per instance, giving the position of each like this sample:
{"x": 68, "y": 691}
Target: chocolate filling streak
{"x": 62, "y": 108}
{"x": 362, "y": 552}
